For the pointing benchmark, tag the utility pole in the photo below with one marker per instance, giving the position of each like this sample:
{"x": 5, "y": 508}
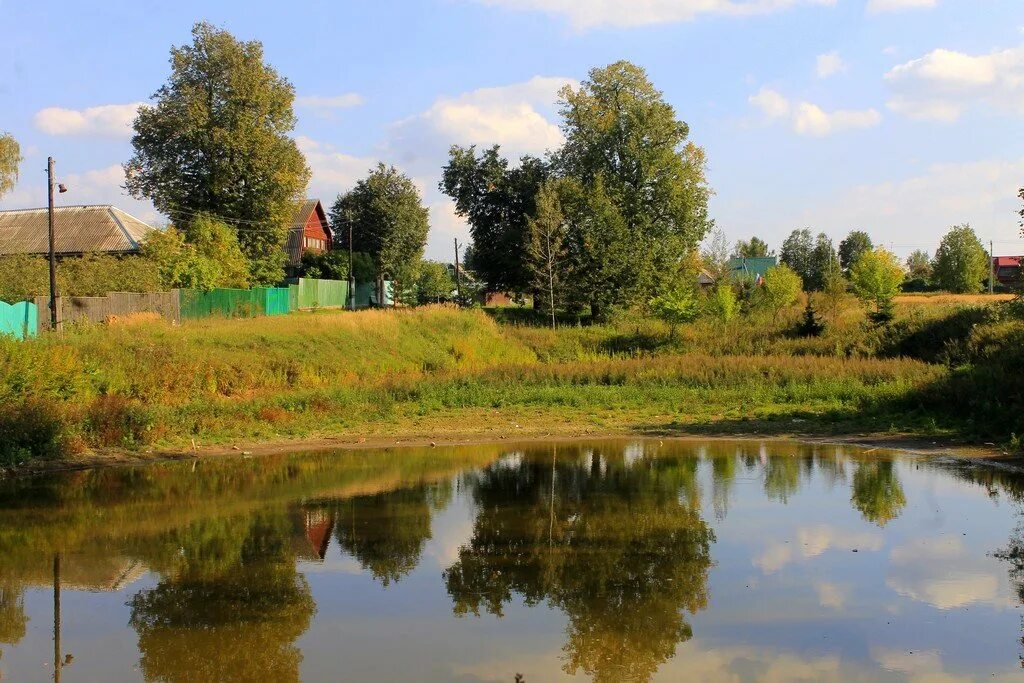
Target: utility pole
{"x": 57, "y": 659}
{"x": 458, "y": 274}
{"x": 991, "y": 267}
{"x": 351, "y": 273}
{"x": 55, "y": 312}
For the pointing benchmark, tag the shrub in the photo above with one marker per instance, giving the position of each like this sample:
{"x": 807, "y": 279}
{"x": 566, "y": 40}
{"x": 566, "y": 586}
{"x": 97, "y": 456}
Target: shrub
{"x": 876, "y": 279}
{"x": 722, "y": 303}
{"x": 780, "y": 289}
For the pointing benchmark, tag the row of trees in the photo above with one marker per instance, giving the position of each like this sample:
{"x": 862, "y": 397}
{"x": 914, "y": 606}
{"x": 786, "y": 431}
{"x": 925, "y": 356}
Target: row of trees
{"x": 960, "y": 265}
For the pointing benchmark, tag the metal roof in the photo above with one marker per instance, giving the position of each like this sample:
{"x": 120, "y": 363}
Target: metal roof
{"x": 302, "y": 215}
{"x": 77, "y": 230}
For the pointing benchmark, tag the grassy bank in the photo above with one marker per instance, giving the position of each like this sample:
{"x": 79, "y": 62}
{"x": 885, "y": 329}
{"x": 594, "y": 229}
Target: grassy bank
{"x": 444, "y": 371}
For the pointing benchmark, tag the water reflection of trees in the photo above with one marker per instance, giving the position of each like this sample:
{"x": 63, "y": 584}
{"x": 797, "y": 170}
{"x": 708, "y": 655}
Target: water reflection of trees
{"x": 877, "y": 492}
{"x": 386, "y": 532}
{"x": 230, "y": 606}
{"x": 620, "y": 548}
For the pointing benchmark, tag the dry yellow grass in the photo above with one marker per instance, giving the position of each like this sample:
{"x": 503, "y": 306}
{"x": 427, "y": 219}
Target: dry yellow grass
{"x": 935, "y": 298}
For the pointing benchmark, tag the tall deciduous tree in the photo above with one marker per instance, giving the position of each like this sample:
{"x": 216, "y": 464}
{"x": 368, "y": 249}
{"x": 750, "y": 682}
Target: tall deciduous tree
{"x": 546, "y": 247}
{"x": 217, "y": 140}
{"x": 961, "y": 263}
{"x": 388, "y": 220}
{"x": 10, "y": 157}
{"x": 497, "y": 200}
{"x": 627, "y": 150}
{"x": 755, "y": 247}
{"x": 850, "y": 249}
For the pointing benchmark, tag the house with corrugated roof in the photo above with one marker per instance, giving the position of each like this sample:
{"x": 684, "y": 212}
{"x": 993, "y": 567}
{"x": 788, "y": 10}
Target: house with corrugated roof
{"x": 78, "y": 230}
{"x": 309, "y": 232}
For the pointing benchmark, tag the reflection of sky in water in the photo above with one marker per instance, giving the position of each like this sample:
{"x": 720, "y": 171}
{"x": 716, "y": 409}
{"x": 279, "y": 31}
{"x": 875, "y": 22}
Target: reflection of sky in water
{"x": 920, "y": 600}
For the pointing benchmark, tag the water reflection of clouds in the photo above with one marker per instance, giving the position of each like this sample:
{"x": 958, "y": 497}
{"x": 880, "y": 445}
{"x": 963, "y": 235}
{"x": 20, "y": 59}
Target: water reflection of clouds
{"x": 944, "y": 574}
{"x": 812, "y": 542}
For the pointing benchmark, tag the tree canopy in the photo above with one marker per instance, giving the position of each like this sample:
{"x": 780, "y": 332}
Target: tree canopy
{"x": 850, "y": 249}
{"x": 780, "y": 289}
{"x": 217, "y": 141}
{"x": 388, "y": 220}
{"x": 876, "y": 279}
{"x": 10, "y": 158}
{"x": 961, "y": 263}
{"x": 203, "y": 255}
{"x": 643, "y": 188}
{"x": 812, "y": 258}
{"x": 497, "y": 200}
{"x": 755, "y": 247}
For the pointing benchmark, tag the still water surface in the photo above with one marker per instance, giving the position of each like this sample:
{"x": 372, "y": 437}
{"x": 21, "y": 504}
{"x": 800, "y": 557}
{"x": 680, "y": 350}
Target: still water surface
{"x": 609, "y": 561}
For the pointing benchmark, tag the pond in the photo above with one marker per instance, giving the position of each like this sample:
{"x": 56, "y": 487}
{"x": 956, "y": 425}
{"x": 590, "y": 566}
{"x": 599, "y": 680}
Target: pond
{"x": 638, "y": 560}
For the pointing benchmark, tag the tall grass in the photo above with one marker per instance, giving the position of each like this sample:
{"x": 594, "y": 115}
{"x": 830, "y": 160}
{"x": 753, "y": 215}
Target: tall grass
{"x": 441, "y": 369}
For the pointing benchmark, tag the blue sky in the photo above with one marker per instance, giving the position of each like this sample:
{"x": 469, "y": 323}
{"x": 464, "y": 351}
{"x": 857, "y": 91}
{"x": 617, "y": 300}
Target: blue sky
{"x": 899, "y": 117}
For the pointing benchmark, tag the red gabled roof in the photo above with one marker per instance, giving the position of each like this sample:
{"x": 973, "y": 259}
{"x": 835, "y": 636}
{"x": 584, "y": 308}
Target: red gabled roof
{"x": 1007, "y": 261}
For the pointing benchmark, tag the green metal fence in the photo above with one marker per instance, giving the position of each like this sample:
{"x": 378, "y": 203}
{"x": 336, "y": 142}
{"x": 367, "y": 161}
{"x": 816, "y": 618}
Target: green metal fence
{"x": 313, "y": 293}
{"x": 234, "y": 303}
{"x": 21, "y": 320}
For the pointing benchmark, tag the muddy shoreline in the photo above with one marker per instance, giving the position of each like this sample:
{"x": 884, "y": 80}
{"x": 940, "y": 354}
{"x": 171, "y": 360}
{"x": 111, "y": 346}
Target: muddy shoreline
{"x": 913, "y": 444}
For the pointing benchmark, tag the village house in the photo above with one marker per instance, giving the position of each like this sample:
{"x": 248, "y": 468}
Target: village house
{"x": 310, "y": 232}
{"x": 78, "y": 230}
{"x": 1007, "y": 269}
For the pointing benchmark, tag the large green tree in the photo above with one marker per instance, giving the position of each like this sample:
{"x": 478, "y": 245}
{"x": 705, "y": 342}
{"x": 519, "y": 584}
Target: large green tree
{"x": 388, "y": 221}
{"x": 627, "y": 149}
{"x": 497, "y": 199}
{"x": 217, "y": 140}
{"x": 850, "y": 249}
{"x": 10, "y": 157}
{"x": 961, "y": 263}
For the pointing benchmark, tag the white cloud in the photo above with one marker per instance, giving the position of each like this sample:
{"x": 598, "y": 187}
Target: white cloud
{"x": 942, "y": 573}
{"x": 326, "y": 106}
{"x": 829, "y": 64}
{"x": 518, "y": 117}
{"x": 880, "y": 6}
{"x": 586, "y": 14}
{"x": 943, "y": 83}
{"x": 96, "y": 186}
{"x": 809, "y": 119}
{"x": 333, "y": 171}
{"x": 832, "y": 595}
{"x": 812, "y": 542}
{"x": 917, "y": 210}
{"x": 108, "y": 120}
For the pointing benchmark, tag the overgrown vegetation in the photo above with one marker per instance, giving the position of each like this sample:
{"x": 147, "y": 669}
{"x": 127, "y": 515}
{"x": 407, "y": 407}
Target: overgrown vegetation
{"x": 442, "y": 370}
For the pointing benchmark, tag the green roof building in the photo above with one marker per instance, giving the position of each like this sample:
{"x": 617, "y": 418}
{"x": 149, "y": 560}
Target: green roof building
{"x": 740, "y": 267}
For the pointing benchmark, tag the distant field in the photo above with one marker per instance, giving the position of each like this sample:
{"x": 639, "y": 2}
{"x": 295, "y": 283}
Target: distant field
{"x": 946, "y": 298}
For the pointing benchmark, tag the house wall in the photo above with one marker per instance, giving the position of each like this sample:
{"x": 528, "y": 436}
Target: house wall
{"x": 314, "y": 229}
